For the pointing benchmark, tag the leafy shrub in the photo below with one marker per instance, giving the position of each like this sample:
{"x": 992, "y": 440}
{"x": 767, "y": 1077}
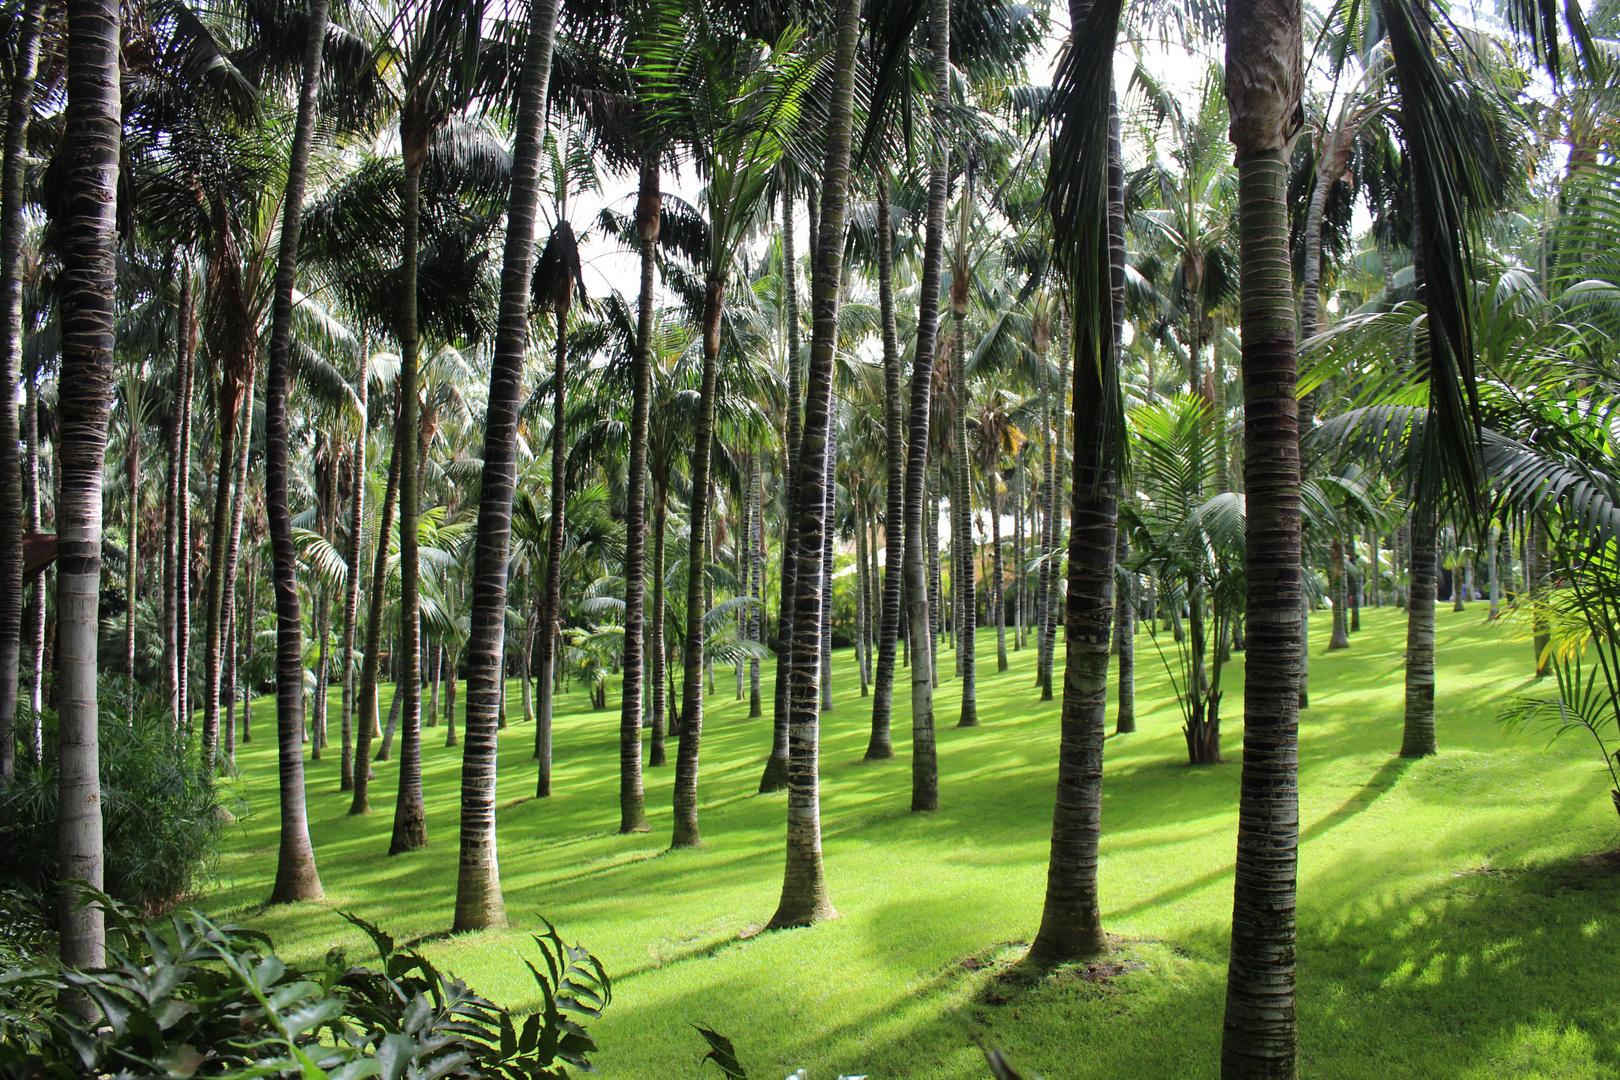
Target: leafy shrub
{"x": 191, "y": 998}
{"x": 161, "y": 822}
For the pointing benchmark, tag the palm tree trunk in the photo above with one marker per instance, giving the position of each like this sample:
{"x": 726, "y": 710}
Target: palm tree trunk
{"x": 351, "y": 586}
{"x": 685, "y": 833}
{"x": 132, "y": 480}
{"x": 323, "y": 634}
{"x": 1054, "y": 599}
{"x": 233, "y": 552}
{"x": 172, "y": 551}
{"x": 247, "y": 647}
{"x": 450, "y": 702}
{"x": 90, "y": 149}
{"x": 1495, "y": 573}
{"x": 549, "y": 628}
{"x": 1536, "y": 586}
{"x": 632, "y": 795}
{"x": 880, "y": 746}
{"x": 962, "y": 526}
{"x": 1340, "y": 638}
{"x": 480, "y": 903}
{"x": 655, "y": 747}
{"x": 25, "y": 48}
{"x": 296, "y": 876}
{"x": 1265, "y": 79}
{"x": 804, "y": 884}
{"x": 1125, "y": 644}
{"x": 827, "y": 534}
{"x": 756, "y": 497}
{"x": 998, "y": 588}
{"x": 182, "y": 510}
{"x": 1418, "y": 735}
{"x": 367, "y": 706}
{"x": 775, "y": 775}
{"x": 228, "y": 401}
{"x": 1047, "y": 496}
{"x": 861, "y": 593}
{"x": 410, "y": 817}
{"x": 34, "y": 630}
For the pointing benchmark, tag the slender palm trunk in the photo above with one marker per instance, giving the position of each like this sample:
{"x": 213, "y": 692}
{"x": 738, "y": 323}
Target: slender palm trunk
{"x": 182, "y": 517}
{"x": 962, "y": 576}
{"x": 775, "y": 775}
{"x": 632, "y": 797}
{"x": 861, "y": 593}
{"x": 90, "y": 150}
{"x": 1047, "y": 496}
{"x": 827, "y": 562}
{"x": 998, "y": 587}
{"x": 804, "y": 884}
{"x": 1536, "y": 585}
{"x": 171, "y": 506}
{"x": 34, "y": 628}
{"x": 756, "y": 615}
{"x": 1340, "y": 638}
{"x": 655, "y": 741}
{"x": 233, "y": 552}
{"x": 351, "y": 585}
{"x": 296, "y": 877}
{"x": 550, "y": 623}
{"x": 1265, "y": 77}
{"x": 479, "y": 901}
{"x": 1418, "y": 734}
{"x": 410, "y": 817}
{"x": 1054, "y": 598}
{"x": 1494, "y": 569}
{"x": 25, "y": 48}
{"x": 132, "y": 480}
{"x": 685, "y": 833}
{"x": 1125, "y": 644}
{"x": 228, "y": 401}
{"x": 367, "y": 706}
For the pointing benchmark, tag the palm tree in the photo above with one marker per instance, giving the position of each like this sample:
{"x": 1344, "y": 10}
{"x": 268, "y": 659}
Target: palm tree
{"x": 20, "y": 95}
{"x": 85, "y": 217}
{"x": 296, "y": 876}
{"x": 1081, "y": 201}
{"x": 1264, "y": 81}
{"x": 479, "y": 903}
{"x": 745, "y": 108}
{"x": 804, "y": 886}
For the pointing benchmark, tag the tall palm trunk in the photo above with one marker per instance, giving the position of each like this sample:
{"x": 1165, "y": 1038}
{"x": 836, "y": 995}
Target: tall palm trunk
{"x": 232, "y": 385}
{"x": 182, "y": 513}
{"x": 1340, "y": 638}
{"x": 1264, "y": 81}
{"x": 172, "y": 504}
{"x": 804, "y": 884}
{"x": 351, "y": 584}
{"x": 19, "y": 107}
{"x": 924, "y": 757}
{"x": 685, "y": 833}
{"x": 550, "y": 623}
{"x": 880, "y": 746}
{"x": 998, "y": 588}
{"x": 775, "y": 775}
{"x": 479, "y": 901}
{"x": 410, "y": 817}
{"x": 1535, "y": 543}
{"x": 1047, "y": 497}
{"x": 1125, "y": 645}
{"x": 34, "y": 630}
{"x": 827, "y": 533}
{"x": 1418, "y": 734}
{"x": 367, "y": 706}
{"x": 861, "y": 594}
{"x": 1054, "y": 598}
{"x": 296, "y": 877}
{"x": 233, "y": 551}
{"x": 756, "y": 498}
{"x": 632, "y": 795}
{"x": 967, "y": 602}
{"x": 132, "y": 480}
{"x": 660, "y": 658}
{"x": 88, "y": 232}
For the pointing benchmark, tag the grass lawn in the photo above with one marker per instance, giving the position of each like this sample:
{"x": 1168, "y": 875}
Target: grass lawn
{"x": 1448, "y": 923}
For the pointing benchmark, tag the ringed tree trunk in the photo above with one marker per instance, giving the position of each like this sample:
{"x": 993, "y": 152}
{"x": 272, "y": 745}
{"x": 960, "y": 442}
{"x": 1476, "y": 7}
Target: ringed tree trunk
{"x": 967, "y": 601}
{"x": 1264, "y": 82}
{"x": 1340, "y": 638}
{"x": 998, "y": 595}
{"x": 1125, "y": 644}
{"x": 1071, "y": 923}
{"x": 366, "y": 708}
{"x": 632, "y": 796}
{"x": 88, "y": 234}
{"x": 479, "y": 901}
{"x": 236, "y": 375}
{"x": 880, "y": 747}
{"x": 173, "y": 549}
{"x": 655, "y": 741}
{"x": 351, "y": 586}
{"x": 804, "y": 883}
{"x": 685, "y": 833}
{"x": 19, "y": 108}
{"x": 775, "y": 775}
{"x": 233, "y": 554}
{"x": 410, "y": 817}
{"x": 924, "y": 757}
{"x": 1418, "y": 734}
{"x": 296, "y": 876}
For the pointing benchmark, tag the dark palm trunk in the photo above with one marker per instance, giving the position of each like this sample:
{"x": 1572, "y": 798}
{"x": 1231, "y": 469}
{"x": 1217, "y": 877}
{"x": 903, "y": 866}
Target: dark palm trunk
{"x": 632, "y": 797}
{"x": 827, "y": 533}
{"x": 132, "y": 480}
{"x": 1265, "y": 77}
{"x": 804, "y": 884}
{"x": 89, "y": 151}
{"x": 233, "y": 552}
{"x": 367, "y": 706}
{"x": 1125, "y": 647}
{"x": 924, "y": 757}
{"x": 232, "y": 387}
{"x": 1418, "y": 735}
{"x": 351, "y": 586}
{"x": 550, "y": 623}
{"x": 967, "y": 602}
{"x": 756, "y": 615}
{"x": 296, "y": 877}
{"x": 998, "y": 594}
{"x": 775, "y": 775}
{"x": 19, "y": 108}
{"x": 34, "y": 621}
{"x": 174, "y": 487}
{"x": 1341, "y": 625}
{"x": 479, "y": 901}
{"x": 410, "y": 817}
{"x": 1054, "y": 598}
{"x": 685, "y": 833}
{"x": 655, "y": 747}
{"x": 182, "y": 515}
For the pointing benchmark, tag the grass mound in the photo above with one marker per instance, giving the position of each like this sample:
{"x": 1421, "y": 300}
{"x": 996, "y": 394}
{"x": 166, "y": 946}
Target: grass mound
{"x": 1450, "y": 924}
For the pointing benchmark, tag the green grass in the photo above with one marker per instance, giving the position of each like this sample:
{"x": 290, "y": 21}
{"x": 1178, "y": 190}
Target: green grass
{"x": 1448, "y": 925}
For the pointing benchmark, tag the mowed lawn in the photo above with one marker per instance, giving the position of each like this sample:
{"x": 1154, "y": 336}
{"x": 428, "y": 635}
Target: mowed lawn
{"x": 1449, "y": 925}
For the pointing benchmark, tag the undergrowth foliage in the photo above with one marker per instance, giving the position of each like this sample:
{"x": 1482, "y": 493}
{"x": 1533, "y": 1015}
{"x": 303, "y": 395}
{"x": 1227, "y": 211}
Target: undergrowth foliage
{"x": 187, "y": 997}
{"x": 162, "y": 822}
